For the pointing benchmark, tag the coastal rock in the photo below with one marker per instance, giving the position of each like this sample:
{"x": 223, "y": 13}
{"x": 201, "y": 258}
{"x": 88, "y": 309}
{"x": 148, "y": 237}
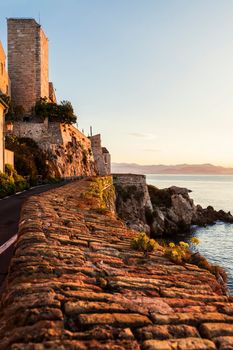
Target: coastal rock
{"x": 132, "y": 200}
{"x": 209, "y": 216}
{"x": 176, "y": 210}
{"x": 158, "y": 222}
{"x": 159, "y": 212}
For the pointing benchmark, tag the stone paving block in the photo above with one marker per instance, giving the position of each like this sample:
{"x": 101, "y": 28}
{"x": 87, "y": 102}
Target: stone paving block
{"x": 46, "y": 330}
{"x": 191, "y": 318}
{"x": 78, "y": 345}
{"x": 224, "y": 343}
{"x": 212, "y": 330}
{"x": 74, "y": 308}
{"x": 167, "y": 332}
{"x": 227, "y": 308}
{"x": 131, "y": 320}
{"x": 179, "y": 344}
{"x": 201, "y": 297}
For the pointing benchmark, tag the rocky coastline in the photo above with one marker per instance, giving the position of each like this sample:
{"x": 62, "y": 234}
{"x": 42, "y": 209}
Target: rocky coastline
{"x": 161, "y": 212}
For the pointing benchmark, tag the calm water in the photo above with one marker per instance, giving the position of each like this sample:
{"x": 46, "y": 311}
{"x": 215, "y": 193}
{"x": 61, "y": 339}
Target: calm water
{"x": 216, "y": 190}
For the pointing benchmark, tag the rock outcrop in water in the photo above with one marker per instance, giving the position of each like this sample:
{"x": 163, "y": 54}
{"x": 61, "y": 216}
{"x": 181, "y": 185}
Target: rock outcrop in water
{"x": 175, "y": 212}
{"x": 208, "y": 216}
{"x": 161, "y": 211}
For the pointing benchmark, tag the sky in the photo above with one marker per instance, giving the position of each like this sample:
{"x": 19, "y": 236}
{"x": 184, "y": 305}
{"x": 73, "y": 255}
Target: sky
{"x": 154, "y": 77}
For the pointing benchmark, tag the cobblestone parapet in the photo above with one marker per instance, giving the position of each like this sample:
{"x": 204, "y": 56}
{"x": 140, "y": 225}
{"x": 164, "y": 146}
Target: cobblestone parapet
{"x": 75, "y": 283}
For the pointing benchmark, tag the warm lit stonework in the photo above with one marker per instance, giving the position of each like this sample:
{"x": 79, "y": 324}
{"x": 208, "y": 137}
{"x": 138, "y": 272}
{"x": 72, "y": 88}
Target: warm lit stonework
{"x": 4, "y": 80}
{"x": 6, "y": 156}
{"x": 2, "y": 148}
{"x": 27, "y": 61}
{"x": 76, "y": 283}
{"x": 101, "y": 155}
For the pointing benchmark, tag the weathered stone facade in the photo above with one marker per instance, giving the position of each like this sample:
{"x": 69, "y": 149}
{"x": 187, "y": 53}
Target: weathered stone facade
{"x": 9, "y": 157}
{"x": 76, "y": 283}
{"x": 52, "y": 94}
{"x": 28, "y": 69}
{"x": 6, "y": 156}
{"x": 4, "y": 79}
{"x": 101, "y": 155}
{"x": 2, "y": 145}
{"x": 27, "y": 61}
{"x": 67, "y": 149}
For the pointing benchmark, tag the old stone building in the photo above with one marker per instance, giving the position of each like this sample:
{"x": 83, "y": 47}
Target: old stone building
{"x": 52, "y": 94}
{"x": 27, "y": 61}
{"x": 2, "y": 147}
{"x": 101, "y": 155}
{"x": 67, "y": 148}
{"x": 4, "y": 80}
{"x": 6, "y": 156}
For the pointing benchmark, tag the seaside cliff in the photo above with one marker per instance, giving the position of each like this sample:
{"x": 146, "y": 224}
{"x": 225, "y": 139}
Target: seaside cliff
{"x": 75, "y": 283}
{"x": 159, "y": 212}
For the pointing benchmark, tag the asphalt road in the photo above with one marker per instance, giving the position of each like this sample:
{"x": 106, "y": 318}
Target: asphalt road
{"x": 9, "y": 219}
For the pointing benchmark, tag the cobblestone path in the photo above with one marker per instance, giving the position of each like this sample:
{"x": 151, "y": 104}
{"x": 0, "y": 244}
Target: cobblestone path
{"x": 75, "y": 283}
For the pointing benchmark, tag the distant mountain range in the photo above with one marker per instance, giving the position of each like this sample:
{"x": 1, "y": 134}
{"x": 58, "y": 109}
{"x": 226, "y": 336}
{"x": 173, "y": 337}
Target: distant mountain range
{"x": 171, "y": 169}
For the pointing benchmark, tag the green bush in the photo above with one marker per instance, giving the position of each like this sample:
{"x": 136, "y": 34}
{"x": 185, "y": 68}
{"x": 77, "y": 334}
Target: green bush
{"x": 19, "y": 181}
{"x": 30, "y": 160}
{"x": 11, "y": 182}
{"x": 7, "y": 185}
{"x": 62, "y": 113}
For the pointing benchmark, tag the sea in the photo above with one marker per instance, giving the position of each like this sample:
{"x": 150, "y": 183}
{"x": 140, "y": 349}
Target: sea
{"x": 216, "y": 242}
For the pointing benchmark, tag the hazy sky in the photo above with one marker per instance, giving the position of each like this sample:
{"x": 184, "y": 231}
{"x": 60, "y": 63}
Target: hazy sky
{"x": 154, "y": 77}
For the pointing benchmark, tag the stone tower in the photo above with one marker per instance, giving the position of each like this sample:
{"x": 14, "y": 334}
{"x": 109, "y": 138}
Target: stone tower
{"x": 27, "y": 61}
{"x": 101, "y": 156}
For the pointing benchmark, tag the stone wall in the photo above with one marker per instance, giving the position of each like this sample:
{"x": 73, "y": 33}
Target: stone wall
{"x": 36, "y": 131}
{"x": 107, "y": 160}
{"x": 27, "y": 61}
{"x": 101, "y": 156}
{"x": 44, "y": 68}
{"x": 9, "y": 157}
{"x": 73, "y": 154}
{"x": 68, "y": 150}
{"x": 129, "y": 179}
{"x": 2, "y": 108}
{"x": 4, "y": 80}
{"x": 52, "y": 94}
{"x": 75, "y": 283}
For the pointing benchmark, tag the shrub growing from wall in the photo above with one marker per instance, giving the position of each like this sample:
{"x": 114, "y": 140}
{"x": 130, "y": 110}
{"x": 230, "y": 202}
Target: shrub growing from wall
{"x": 62, "y": 113}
